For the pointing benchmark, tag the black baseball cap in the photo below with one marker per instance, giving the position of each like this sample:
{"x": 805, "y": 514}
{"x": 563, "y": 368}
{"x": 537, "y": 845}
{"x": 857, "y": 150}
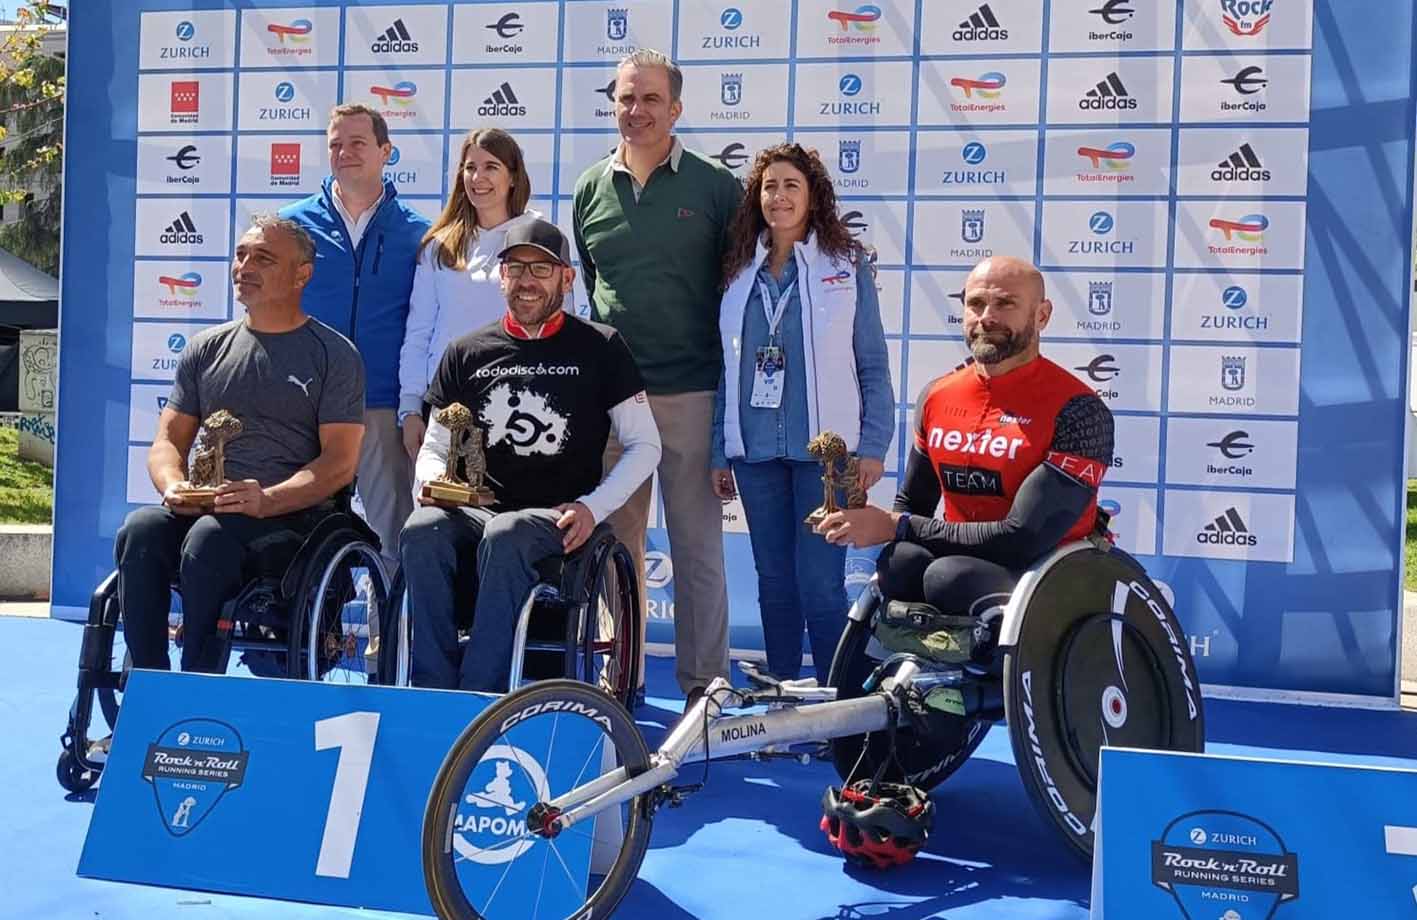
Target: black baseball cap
{"x": 539, "y": 233}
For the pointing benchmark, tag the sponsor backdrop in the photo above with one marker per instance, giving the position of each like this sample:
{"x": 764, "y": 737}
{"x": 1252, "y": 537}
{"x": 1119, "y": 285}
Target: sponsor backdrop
{"x": 1192, "y": 837}
{"x": 1217, "y": 191}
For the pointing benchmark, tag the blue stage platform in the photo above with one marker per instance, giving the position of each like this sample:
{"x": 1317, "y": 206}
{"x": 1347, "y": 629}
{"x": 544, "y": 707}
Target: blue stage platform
{"x": 746, "y": 846}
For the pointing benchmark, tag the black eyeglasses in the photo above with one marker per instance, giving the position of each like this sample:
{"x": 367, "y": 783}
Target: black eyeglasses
{"x": 542, "y": 270}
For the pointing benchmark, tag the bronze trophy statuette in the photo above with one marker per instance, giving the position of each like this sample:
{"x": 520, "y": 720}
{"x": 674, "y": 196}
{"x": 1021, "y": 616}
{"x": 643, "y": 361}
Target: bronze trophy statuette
{"x": 449, "y": 489}
{"x": 208, "y": 470}
{"x": 840, "y": 470}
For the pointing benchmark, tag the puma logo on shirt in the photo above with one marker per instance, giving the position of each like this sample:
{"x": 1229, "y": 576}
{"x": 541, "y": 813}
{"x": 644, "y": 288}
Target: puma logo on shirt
{"x": 304, "y": 385}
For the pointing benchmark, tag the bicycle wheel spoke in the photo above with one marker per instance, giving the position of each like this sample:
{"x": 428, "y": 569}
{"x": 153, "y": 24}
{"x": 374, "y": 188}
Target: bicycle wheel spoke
{"x": 493, "y": 803}
{"x": 551, "y": 745}
{"x": 575, "y": 886}
{"x": 540, "y": 887}
{"x": 497, "y": 887}
{"x": 595, "y": 749}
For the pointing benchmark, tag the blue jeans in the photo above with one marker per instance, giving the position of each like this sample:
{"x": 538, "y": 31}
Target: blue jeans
{"x": 495, "y": 554}
{"x": 801, "y": 577}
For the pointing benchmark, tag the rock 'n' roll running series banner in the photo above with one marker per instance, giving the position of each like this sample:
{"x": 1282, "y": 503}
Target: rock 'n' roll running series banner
{"x": 1218, "y": 192}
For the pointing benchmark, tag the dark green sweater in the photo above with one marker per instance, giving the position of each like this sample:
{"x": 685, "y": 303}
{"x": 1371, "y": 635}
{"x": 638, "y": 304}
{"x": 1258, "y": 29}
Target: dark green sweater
{"x": 651, "y": 267}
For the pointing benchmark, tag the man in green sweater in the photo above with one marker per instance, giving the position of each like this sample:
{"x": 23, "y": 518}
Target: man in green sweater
{"x": 651, "y": 224}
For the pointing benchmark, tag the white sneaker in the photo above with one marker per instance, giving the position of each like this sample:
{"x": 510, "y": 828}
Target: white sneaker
{"x": 98, "y": 750}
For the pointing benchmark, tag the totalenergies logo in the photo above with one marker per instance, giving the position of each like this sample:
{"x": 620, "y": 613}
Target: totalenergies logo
{"x": 988, "y": 85}
{"x": 298, "y": 31}
{"x": 181, "y": 285}
{"x": 1249, "y": 228}
{"x": 838, "y": 278}
{"x": 863, "y": 18}
{"x": 1115, "y": 156}
{"x": 400, "y": 93}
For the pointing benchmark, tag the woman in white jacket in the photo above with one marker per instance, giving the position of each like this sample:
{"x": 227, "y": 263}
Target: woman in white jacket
{"x": 456, "y": 287}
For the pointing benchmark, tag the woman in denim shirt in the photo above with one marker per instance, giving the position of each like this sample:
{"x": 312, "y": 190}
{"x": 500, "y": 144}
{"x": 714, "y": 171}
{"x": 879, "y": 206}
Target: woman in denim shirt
{"x": 803, "y": 352}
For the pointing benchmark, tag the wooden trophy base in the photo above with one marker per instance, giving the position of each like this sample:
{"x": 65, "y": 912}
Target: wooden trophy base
{"x": 203, "y": 497}
{"x": 453, "y": 493}
{"x": 816, "y": 517}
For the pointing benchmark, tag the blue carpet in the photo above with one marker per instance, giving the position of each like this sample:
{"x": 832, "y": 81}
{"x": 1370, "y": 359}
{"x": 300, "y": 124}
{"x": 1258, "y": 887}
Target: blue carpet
{"x": 746, "y": 846}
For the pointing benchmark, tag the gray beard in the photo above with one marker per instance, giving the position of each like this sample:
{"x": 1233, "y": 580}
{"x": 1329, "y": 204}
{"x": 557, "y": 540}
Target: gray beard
{"x": 987, "y": 352}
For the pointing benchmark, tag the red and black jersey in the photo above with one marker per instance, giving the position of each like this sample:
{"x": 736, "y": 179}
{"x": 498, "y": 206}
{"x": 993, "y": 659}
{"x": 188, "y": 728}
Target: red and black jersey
{"x": 984, "y": 436}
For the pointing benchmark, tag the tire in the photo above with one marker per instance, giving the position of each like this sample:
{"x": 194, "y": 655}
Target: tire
{"x": 923, "y": 762}
{"x": 489, "y": 731}
{"x": 395, "y": 662}
{"x": 613, "y": 607}
{"x": 1100, "y": 659}
{"x": 73, "y": 777}
{"x": 321, "y": 648}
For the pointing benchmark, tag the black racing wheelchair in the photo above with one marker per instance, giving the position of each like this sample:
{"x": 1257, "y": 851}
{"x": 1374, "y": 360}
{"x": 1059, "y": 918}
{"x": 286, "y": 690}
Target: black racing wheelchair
{"x": 304, "y": 613}
{"x": 579, "y": 621}
{"x": 1087, "y": 653}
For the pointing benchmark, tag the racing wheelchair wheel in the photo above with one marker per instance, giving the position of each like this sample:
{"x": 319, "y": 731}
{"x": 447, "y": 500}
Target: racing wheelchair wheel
{"x": 490, "y": 795}
{"x": 923, "y": 762}
{"x": 1094, "y": 656}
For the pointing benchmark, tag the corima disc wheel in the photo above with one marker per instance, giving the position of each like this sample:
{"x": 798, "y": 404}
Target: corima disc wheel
{"x": 1110, "y": 690}
{"x": 482, "y": 854}
{"x": 1097, "y": 649}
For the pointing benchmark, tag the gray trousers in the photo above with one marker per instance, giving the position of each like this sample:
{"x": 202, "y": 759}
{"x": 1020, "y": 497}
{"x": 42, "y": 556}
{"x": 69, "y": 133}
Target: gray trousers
{"x": 385, "y": 482}
{"x": 694, "y": 519}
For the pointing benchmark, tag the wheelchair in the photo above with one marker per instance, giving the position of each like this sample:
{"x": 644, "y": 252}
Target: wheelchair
{"x": 579, "y": 621}
{"x": 298, "y": 616}
{"x": 1088, "y": 654}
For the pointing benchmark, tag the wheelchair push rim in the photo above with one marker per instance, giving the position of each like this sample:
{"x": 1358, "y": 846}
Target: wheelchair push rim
{"x": 331, "y": 634}
{"x": 1098, "y": 660}
{"x": 482, "y": 857}
{"x": 610, "y": 641}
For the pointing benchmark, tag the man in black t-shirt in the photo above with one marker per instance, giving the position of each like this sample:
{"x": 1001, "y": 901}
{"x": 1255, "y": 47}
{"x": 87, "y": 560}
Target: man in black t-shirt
{"x": 546, "y": 389}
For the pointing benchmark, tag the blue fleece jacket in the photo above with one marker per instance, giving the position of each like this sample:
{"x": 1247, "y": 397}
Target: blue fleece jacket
{"x": 363, "y": 291}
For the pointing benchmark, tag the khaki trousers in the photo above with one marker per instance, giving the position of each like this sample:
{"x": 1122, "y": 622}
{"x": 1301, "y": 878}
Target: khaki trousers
{"x": 694, "y": 519}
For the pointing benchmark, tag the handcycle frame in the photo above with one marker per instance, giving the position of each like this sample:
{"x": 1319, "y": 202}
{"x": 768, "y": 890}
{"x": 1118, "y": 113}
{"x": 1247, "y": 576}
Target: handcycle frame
{"x": 1100, "y": 661}
{"x": 796, "y": 723}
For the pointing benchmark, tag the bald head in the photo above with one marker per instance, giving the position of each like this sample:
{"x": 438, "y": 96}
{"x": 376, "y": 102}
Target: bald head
{"x": 1004, "y": 309}
{"x": 1006, "y": 271}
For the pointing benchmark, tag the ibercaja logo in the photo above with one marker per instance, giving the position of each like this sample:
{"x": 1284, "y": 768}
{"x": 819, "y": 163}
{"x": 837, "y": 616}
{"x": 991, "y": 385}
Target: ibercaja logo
{"x": 1222, "y": 864}
{"x": 192, "y": 766}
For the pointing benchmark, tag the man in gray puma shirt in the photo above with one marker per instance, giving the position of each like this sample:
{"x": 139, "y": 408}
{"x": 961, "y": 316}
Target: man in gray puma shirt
{"x": 297, "y": 387}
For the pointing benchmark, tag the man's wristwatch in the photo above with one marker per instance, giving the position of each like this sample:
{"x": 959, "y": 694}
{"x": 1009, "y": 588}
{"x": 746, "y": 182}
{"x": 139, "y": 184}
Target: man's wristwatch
{"x": 902, "y": 528}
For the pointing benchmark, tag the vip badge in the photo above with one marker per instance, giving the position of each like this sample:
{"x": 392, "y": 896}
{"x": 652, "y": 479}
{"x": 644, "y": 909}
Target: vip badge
{"x": 1210, "y": 858}
{"x": 1099, "y": 298}
{"x": 849, "y": 156}
{"x": 1232, "y": 372}
{"x": 732, "y": 90}
{"x": 617, "y": 24}
{"x": 971, "y": 228}
{"x": 191, "y": 767}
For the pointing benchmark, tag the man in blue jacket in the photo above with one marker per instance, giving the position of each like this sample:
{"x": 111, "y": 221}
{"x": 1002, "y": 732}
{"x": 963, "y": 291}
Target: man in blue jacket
{"x": 366, "y": 249}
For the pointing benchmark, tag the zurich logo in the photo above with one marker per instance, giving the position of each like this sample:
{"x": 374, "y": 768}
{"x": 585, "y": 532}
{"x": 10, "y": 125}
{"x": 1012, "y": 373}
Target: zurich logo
{"x": 1100, "y": 222}
{"x": 731, "y": 18}
{"x": 185, "y": 31}
{"x": 176, "y": 342}
{"x": 1111, "y": 507}
{"x": 285, "y": 91}
{"x": 191, "y": 767}
{"x": 1234, "y": 297}
{"x": 849, "y": 84}
{"x": 394, "y": 157}
{"x": 974, "y": 153}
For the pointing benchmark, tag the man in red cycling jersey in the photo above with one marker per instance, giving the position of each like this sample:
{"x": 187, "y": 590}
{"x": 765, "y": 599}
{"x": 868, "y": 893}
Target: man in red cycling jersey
{"x": 1015, "y": 445}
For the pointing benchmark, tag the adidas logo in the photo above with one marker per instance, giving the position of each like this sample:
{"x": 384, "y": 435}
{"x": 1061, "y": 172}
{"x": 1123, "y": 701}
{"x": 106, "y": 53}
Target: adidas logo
{"x": 1241, "y": 166}
{"x": 1109, "y": 94}
{"x": 502, "y": 102}
{"x": 1227, "y": 530}
{"x": 981, "y": 26}
{"x": 395, "y": 40}
{"x": 182, "y": 232}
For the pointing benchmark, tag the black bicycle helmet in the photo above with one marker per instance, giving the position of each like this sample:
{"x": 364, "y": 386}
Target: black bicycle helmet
{"x": 878, "y": 825}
